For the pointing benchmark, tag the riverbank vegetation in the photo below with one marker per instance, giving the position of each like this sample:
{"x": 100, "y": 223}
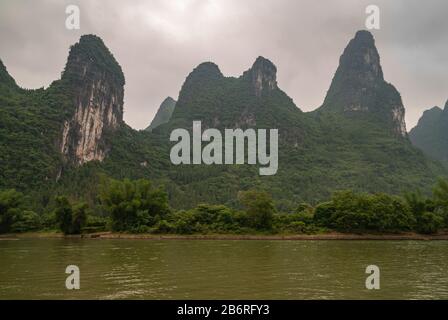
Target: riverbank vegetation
{"x": 136, "y": 206}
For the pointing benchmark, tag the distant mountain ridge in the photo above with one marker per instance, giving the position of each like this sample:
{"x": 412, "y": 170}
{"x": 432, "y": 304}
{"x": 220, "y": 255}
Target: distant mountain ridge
{"x": 163, "y": 114}
{"x": 431, "y": 133}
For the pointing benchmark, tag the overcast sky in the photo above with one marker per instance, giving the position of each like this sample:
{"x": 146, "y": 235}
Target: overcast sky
{"x": 158, "y": 42}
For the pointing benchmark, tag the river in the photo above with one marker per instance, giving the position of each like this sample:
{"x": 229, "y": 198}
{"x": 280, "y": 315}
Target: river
{"x": 213, "y": 269}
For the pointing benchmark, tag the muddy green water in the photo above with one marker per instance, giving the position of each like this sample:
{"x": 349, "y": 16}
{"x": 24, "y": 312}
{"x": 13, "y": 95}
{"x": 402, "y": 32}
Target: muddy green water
{"x": 182, "y": 269}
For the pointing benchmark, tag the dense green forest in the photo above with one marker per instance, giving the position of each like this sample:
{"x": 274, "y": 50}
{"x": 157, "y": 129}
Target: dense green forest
{"x": 137, "y": 206}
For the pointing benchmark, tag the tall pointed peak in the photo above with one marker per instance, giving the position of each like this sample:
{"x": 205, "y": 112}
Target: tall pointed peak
{"x": 91, "y": 56}
{"x": 97, "y": 84}
{"x": 361, "y": 58}
{"x": 364, "y": 36}
{"x": 358, "y": 86}
{"x": 263, "y": 76}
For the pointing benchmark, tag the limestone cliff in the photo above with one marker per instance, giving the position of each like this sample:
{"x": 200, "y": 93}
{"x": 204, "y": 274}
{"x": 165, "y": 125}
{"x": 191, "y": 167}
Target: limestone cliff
{"x": 96, "y": 82}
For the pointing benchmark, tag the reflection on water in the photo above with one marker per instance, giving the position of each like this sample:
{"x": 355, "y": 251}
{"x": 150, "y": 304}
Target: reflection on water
{"x": 182, "y": 269}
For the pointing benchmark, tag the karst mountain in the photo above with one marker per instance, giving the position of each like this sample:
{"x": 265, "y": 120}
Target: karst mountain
{"x": 66, "y": 137}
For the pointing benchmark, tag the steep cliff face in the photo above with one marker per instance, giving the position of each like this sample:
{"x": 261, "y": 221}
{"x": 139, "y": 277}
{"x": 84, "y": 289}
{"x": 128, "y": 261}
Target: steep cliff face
{"x": 359, "y": 86}
{"x": 96, "y": 81}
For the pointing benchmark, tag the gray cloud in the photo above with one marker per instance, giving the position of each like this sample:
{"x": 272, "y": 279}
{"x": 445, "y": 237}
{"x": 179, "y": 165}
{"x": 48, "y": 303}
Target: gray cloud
{"x": 158, "y": 42}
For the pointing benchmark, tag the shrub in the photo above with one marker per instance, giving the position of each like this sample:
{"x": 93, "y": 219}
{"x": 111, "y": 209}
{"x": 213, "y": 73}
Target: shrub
{"x": 207, "y": 218}
{"x": 26, "y": 221}
{"x": 163, "y": 227}
{"x": 186, "y": 223}
{"x": 96, "y": 223}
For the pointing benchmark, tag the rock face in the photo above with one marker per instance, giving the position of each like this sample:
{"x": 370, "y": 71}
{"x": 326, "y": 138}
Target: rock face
{"x": 262, "y": 75}
{"x": 359, "y": 86}
{"x": 431, "y": 133}
{"x": 97, "y": 84}
{"x": 163, "y": 114}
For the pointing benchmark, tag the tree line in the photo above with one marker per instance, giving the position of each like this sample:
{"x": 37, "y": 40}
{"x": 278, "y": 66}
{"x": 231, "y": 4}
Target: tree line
{"x": 136, "y": 206}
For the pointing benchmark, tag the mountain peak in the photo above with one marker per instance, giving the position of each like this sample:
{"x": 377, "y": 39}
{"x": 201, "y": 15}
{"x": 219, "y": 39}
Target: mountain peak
{"x": 205, "y": 71}
{"x": 163, "y": 114}
{"x": 430, "y": 116}
{"x": 364, "y": 36}
{"x": 358, "y": 86}
{"x": 261, "y": 63}
{"x": 168, "y": 100}
{"x": 361, "y": 58}
{"x": 90, "y": 55}
{"x": 263, "y": 76}
{"x": 434, "y": 109}
{"x": 203, "y": 74}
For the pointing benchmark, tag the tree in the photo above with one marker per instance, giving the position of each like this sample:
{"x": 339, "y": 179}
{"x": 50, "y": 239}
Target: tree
{"x": 440, "y": 192}
{"x": 133, "y": 205}
{"x": 259, "y": 208}
{"x": 440, "y": 195}
{"x": 427, "y": 217}
{"x": 79, "y": 217}
{"x": 416, "y": 202}
{"x": 10, "y": 202}
{"x": 70, "y": 218}
{"x": 63, "y": 213}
